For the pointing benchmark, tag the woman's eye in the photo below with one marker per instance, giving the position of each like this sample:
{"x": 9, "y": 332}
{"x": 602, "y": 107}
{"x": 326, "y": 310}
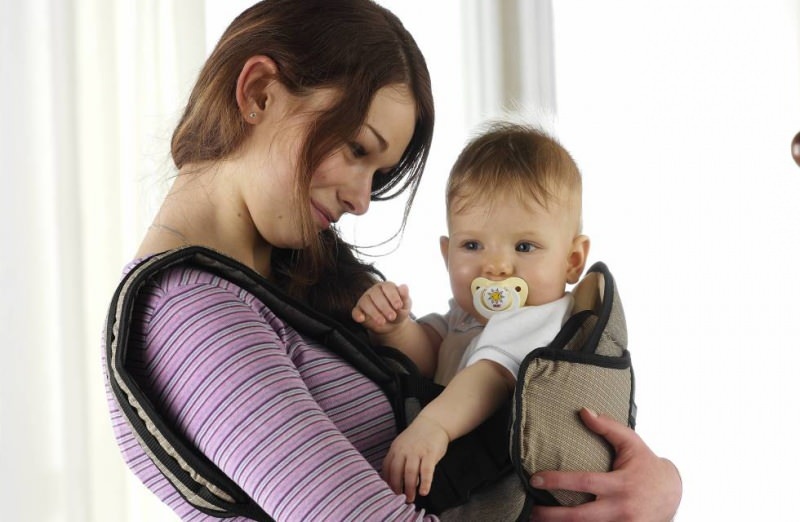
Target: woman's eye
{"x": 525, "y": 247}
{"x": 357, "y": 150}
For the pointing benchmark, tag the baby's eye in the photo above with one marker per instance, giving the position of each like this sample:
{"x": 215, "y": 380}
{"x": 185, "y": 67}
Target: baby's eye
{"x": 525, "y": 247}
{"x": 471, "y": 245}
{"x": 357, "y": 150}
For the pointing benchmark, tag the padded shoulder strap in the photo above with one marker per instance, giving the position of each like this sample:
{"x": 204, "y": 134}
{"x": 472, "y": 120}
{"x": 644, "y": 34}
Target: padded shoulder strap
{"x": 198, "y": 480}
{"x": 587, "y": 365}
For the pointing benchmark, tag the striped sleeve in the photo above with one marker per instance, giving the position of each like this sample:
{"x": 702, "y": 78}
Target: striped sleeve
{"x": 296, "y": 427}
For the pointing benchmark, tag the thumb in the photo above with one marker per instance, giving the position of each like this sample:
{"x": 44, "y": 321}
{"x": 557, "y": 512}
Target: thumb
{"x": 405, "y": 296}
{"x": 618, "y": 435}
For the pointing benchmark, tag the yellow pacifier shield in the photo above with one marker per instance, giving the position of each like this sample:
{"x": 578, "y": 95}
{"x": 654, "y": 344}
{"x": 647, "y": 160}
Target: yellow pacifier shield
{"x": 492, "y": 297}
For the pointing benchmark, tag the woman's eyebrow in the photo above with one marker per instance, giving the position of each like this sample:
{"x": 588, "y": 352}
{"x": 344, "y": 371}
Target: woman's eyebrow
{"x": 381, "y": 139}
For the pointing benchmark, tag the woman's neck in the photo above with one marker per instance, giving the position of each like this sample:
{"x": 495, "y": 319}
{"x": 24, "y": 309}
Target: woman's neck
{"x": 202, "y": 208}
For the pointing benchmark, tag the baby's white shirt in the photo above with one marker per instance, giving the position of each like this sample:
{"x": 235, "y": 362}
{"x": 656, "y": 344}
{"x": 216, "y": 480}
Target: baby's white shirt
{"x": 509, "y": 336}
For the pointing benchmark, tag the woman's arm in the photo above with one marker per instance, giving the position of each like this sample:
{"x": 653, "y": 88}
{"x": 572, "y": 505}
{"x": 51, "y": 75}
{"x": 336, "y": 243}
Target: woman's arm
{"x": 642, "y": 486}
{"x": 285, "y": 419}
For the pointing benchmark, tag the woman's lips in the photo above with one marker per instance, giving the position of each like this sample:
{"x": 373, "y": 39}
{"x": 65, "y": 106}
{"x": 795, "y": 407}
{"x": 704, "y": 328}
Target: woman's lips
{"x": 322, "y": 216}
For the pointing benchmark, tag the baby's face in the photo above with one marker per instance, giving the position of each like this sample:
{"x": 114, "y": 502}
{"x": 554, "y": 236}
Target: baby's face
{"x": 505, "y": 238}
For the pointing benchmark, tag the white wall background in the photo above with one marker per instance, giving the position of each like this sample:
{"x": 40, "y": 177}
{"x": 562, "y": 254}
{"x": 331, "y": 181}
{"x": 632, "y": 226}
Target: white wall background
{"x": 679, "y": 113}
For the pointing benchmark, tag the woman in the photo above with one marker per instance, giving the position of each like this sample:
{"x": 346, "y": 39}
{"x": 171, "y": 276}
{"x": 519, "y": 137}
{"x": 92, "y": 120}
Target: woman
{"x": 303, "y": 112}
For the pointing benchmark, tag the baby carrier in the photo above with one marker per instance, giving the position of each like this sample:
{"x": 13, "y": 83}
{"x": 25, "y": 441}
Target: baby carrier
{"x": 586, "y": 365}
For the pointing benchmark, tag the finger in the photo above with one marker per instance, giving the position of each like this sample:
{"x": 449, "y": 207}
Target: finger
{"x": 385, "y": 304}
{"x": 405, "y": 298}
{"x": 426, "y": 476}
{"x": 411, "y": 478}
{"x": 386, "y": 467}
{"x": 358, "y": 315}
{"x": 372, "y": 313}
{"x": 392, "y": 472}
{"x": 585, "y": 481}
{"x": 390, "y": 301}
{"x": 375, "y": 305}
{"x": 619, "y": 435}
{"x": 393, "y": 293}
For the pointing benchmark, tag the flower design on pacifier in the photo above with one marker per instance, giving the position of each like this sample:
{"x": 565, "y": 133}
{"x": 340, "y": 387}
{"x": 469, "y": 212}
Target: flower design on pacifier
{"x": 492, "y": 297}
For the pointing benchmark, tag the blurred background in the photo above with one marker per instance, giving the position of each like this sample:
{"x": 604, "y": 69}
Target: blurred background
{"x": 680, "y": 115}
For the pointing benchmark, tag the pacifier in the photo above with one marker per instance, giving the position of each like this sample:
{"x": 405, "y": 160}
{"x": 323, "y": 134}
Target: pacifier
{"x": 492, "y": 297}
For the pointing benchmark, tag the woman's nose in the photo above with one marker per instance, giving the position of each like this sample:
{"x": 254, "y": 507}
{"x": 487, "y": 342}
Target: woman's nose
{"x": 357, "y": 194}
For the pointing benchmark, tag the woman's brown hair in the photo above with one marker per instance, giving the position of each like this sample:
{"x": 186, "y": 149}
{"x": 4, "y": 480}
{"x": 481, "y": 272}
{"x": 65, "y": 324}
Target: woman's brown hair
{"x": 353, "y": 46}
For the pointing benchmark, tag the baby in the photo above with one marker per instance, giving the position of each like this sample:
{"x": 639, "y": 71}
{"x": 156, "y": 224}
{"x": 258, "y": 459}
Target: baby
{"x": 514, "y": 223}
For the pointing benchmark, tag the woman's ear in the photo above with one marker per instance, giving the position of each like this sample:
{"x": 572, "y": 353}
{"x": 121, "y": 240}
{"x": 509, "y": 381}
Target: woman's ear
{"x": 576, "y": 260}
{"x": 252, "y": 86}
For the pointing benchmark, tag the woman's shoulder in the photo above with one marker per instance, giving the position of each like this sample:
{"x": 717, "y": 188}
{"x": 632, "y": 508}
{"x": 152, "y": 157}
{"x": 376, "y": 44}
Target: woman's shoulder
{"x": 178, "y": 275}
{"x": 190, "y": 283}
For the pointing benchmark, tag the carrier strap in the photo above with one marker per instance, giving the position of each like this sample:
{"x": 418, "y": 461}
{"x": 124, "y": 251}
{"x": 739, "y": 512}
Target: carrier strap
{"x": 193, "y": 475}
{"x": 197, "y": 479}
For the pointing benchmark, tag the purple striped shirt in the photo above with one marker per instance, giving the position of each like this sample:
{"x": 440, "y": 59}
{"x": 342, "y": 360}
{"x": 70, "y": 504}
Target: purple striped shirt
{"x": 296, "y": 427}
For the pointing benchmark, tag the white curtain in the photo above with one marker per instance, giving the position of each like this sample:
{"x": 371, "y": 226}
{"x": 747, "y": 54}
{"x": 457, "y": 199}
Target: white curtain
{"x": 509, "y": 65}
{"x": 90, "y": 91}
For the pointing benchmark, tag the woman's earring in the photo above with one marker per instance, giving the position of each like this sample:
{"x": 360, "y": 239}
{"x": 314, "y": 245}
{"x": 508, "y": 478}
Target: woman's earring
{"x": 252, "y": 114}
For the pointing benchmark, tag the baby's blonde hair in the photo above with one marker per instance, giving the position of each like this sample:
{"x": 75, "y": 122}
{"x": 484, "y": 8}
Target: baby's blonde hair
{"x": 514, "y": 160}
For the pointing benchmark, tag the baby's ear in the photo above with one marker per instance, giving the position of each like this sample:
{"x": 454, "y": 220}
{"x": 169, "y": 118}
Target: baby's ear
{"x": 444, "y": 245}
{"x": 576, "y": 260}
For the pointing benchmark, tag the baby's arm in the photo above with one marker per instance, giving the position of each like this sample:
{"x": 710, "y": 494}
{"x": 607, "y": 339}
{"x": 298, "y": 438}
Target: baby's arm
{"x": 471, "y": 397}
{"x": 385, "y": 311}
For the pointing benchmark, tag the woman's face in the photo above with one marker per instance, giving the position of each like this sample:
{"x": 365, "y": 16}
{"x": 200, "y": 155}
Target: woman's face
{"x": 342, "y": 183}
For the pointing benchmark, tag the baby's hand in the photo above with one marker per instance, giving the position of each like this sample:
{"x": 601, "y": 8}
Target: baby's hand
{"x": 383, "y": 307}
{"x": 413, "y": 457}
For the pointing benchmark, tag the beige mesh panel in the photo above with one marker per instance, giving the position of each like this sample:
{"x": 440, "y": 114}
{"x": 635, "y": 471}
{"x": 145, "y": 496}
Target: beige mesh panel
{"x": 553, "y": 436}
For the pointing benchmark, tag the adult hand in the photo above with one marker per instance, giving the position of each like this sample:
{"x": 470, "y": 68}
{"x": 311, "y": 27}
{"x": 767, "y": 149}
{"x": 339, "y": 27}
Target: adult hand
{"x": 641, "y": 486}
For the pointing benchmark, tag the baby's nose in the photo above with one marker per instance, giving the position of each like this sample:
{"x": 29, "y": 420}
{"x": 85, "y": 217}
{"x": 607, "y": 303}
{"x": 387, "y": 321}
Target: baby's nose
{"x": 498, "y": 266}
